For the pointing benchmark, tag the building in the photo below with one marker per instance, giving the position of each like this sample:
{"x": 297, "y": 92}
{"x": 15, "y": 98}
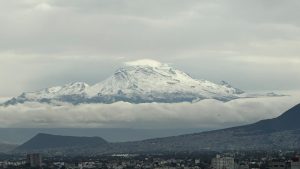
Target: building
{"x": 295, "y": 163}
{"x": 222, "y": 162}
{"x": 34, "y": 160}
{"x": 277, "y": 164}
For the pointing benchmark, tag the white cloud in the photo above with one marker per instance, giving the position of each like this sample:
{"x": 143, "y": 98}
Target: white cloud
{"x": 204, "y": 114}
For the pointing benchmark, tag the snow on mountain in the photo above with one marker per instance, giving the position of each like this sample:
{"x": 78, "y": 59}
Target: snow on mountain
{"x": 141, "y": 81}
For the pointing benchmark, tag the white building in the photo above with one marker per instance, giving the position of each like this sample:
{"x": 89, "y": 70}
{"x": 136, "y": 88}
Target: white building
{"x": 222, "y": 162}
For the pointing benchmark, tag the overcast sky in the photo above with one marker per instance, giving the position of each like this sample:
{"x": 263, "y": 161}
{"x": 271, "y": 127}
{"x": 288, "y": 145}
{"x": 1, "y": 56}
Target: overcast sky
{"x": 252, "y": 44}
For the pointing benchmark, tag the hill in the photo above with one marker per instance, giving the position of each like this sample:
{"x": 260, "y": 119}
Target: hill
{"x": 48, "y": 143}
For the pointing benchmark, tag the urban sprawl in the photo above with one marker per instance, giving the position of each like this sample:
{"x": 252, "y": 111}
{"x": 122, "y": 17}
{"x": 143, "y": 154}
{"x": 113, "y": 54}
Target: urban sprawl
{"x": 203, "y": 160}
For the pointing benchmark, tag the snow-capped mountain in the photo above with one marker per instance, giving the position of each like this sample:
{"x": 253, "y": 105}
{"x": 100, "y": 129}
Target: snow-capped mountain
{"x": 141, "y": 81}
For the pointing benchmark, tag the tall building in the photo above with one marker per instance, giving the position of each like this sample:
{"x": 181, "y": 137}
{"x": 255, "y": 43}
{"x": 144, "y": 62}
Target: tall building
{"x": 34, "y": 160}
{"x": 222, "y": 162}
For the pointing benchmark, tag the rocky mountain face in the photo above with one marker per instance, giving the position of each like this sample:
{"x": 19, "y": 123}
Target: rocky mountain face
{"x": 282, "y": 132}
{"x": 142, "y": 81}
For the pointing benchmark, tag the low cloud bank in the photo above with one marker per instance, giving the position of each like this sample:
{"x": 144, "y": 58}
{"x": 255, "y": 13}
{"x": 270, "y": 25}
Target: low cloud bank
{"x": 208, "y": 114}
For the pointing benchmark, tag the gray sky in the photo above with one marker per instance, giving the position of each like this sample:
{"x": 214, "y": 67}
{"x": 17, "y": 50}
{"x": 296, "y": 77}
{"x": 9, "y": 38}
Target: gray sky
{"x": 252, "y": 44}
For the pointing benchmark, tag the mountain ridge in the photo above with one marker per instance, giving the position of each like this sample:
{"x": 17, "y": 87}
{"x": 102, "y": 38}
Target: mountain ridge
{"x": 142, "y": 81}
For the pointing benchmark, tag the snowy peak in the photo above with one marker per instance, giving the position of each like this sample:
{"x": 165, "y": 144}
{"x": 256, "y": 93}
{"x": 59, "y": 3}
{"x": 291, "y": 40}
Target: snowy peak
{"x": 76, "y": 87}
{"x": 142, "y": 77}
{"x": 68, "y": 89}
{"x": 151, "y": 68}
{"x": 141, "y": 81}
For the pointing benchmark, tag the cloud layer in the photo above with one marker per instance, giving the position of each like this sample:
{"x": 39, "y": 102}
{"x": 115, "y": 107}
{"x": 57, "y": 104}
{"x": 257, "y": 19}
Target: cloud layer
{"x": 206, "y": 114}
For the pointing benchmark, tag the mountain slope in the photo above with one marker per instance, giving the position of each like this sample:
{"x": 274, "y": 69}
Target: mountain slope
{"x": 282, "y": 132}
{"x": 142, "y": 81}
{"x": 287, "y": 121}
